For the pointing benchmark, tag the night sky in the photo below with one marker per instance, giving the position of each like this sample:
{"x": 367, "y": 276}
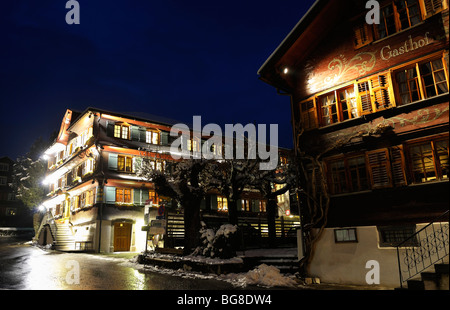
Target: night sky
{"x": 173, "y": 58}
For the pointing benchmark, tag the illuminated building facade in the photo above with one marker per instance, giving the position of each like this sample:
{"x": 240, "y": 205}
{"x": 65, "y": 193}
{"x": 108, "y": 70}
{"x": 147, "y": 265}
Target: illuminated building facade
{"x": 96, "y": 201}
{"x": 370, "y": 101}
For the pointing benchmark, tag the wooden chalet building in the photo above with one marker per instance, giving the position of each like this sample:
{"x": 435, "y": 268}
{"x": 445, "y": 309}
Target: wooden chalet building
{"x": 97, "y": 202}
{"x": 370, "y": 103}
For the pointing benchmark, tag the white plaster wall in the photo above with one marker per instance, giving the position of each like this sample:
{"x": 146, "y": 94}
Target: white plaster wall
{"x": 345, "y": 263}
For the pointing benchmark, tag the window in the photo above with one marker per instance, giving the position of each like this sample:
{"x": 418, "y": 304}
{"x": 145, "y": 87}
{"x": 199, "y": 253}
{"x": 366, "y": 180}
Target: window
{"x": 4, "y": 167}
{"x": 429, "y": 160}
{"x": 123, "y": 195}
{"x": 222, "y": 203}
{"x": 193, "y": 145}
{"x": 3, "y": 181}
{"x": 345, "y": 235}
{"x": 348, "y": 175}
{"x": 124, "y": 163}
{"x": 153, "y": 196}
{"x": 152, "y": 137}
{"x": 246, "y": 205}
{"x": 328, "y": 109}
{"x": 424, "y": 80}
{"x": 122, "y": 131}
{"x": 433, "y": 78}
{"x": 262, "y": 206}
{"x": 391, "y": 236}
{"x": 11, "y": 212}
{"x": 408, "y": 85}
{"x": 397, "y": 16}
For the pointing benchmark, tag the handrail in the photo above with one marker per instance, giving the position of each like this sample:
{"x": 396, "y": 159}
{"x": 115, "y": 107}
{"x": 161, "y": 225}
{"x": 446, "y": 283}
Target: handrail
{"x": 423, "y": 248}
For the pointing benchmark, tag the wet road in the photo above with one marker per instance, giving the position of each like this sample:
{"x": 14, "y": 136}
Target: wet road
{"x": 26, "y": 267}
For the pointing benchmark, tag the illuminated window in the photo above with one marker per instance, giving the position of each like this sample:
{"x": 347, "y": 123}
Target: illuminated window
{"x": 152, "y": 137}
{"x": 222, "y": 203}
{"x": 123, "y": 195}
{"x": 429, "y": 160}
{"x": 122, "y": 131}
{"x": 246, "y": 205}
{"x": 193, "y": 145}
{"x": 433, "y": 81}
{"x": 262, "y": 206}
{"x": 433, "y": 78}
{"x": 124, "y": 163}
{"x": 153, "y": 196}
{"x": 408, "y": 85}
{"x": 328, "y": 109}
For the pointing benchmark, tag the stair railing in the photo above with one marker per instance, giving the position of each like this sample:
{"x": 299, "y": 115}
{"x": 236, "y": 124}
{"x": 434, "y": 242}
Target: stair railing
{"x": 423, "y": 249}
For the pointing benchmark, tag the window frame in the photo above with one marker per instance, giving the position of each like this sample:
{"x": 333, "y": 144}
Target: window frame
{"x": 353, "y": 240}
{"x": 437, "y": 165}
{"x": 119, "y": 130}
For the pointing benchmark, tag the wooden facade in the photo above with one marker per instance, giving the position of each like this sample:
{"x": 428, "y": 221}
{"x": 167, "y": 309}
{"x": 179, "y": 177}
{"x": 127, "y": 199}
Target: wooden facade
{"x": 370, "y": 102}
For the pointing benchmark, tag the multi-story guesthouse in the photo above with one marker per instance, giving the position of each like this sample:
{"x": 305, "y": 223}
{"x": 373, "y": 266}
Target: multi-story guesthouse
{"x": 98, "y": 202}
{"x": 13, "y": 213}
{"x": 370, "y": 113}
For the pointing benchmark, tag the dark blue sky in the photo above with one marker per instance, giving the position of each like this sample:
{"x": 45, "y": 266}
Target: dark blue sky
{"x": 174, "y": 58}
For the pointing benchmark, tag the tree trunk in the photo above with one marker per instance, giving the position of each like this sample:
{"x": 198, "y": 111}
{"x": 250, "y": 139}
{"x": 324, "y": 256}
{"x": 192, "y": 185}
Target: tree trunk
{"x": 232, "y": 211}
{"x": 191, "y": 226}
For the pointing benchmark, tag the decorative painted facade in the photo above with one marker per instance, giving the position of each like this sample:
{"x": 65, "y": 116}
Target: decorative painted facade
{"x": 370, "y": 105}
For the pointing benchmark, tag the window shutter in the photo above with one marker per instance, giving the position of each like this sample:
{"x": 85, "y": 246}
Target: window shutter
{"x": 137, "y": 196}
{"x": 380, "y": 91}
{"x": 112, "y": 162}
{"x": 432, "y": 7}
{"x": 364, "y": 97}
{"x": 110, "y": 129}
{"x": 110, "y": 194}
{"x": 362, "y": 35}
{"x": 398, "y": 166}
{"x": 213, "y": 202}
{"x": 164, "y": 138}
{"x": 379, "y": 170}
{"x": 203, "y": 204}
{"x": 144, "y": 195}
{"x": 255, "y": 205}
{"x": 134, "y": 133}
{"x": 142, "y": 134}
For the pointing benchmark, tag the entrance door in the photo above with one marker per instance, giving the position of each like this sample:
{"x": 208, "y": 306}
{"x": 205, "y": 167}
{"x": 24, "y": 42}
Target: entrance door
{"x": 122, "y": 237}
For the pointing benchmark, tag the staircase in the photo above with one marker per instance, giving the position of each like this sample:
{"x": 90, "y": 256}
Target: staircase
{"x": 64, "y": 240}
{"x": 423, "y": 258}
{"x": 436, "y": 279}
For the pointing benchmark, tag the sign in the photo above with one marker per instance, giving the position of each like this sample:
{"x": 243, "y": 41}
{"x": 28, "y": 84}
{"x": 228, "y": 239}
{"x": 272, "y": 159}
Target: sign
{"x": 157, "y": 227}
{"x": 161, "y": 211}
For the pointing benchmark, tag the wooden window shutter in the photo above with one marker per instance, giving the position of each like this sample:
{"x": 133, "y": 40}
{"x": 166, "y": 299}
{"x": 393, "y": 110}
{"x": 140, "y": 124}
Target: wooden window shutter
{"x": 379, "y": 168}
{"x": 398, "y": 166}
{"x": 112, "y": 161}
{"x": 110, "y": 194}
{"x": 381, "y": 92}
{"x": 364, "y": 100}
{"x": 109, "y": 129}
{"x": 362, "y": 35}
{"x": 431, "y": 7}
{"x": 308, "y": 114}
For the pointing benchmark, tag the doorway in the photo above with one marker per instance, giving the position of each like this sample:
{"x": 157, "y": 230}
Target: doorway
{"x": 122, "y": 237}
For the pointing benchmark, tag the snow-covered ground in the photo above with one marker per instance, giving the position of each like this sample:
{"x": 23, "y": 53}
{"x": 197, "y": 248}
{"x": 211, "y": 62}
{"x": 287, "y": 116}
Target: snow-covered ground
{"x": 263, "y": 275}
